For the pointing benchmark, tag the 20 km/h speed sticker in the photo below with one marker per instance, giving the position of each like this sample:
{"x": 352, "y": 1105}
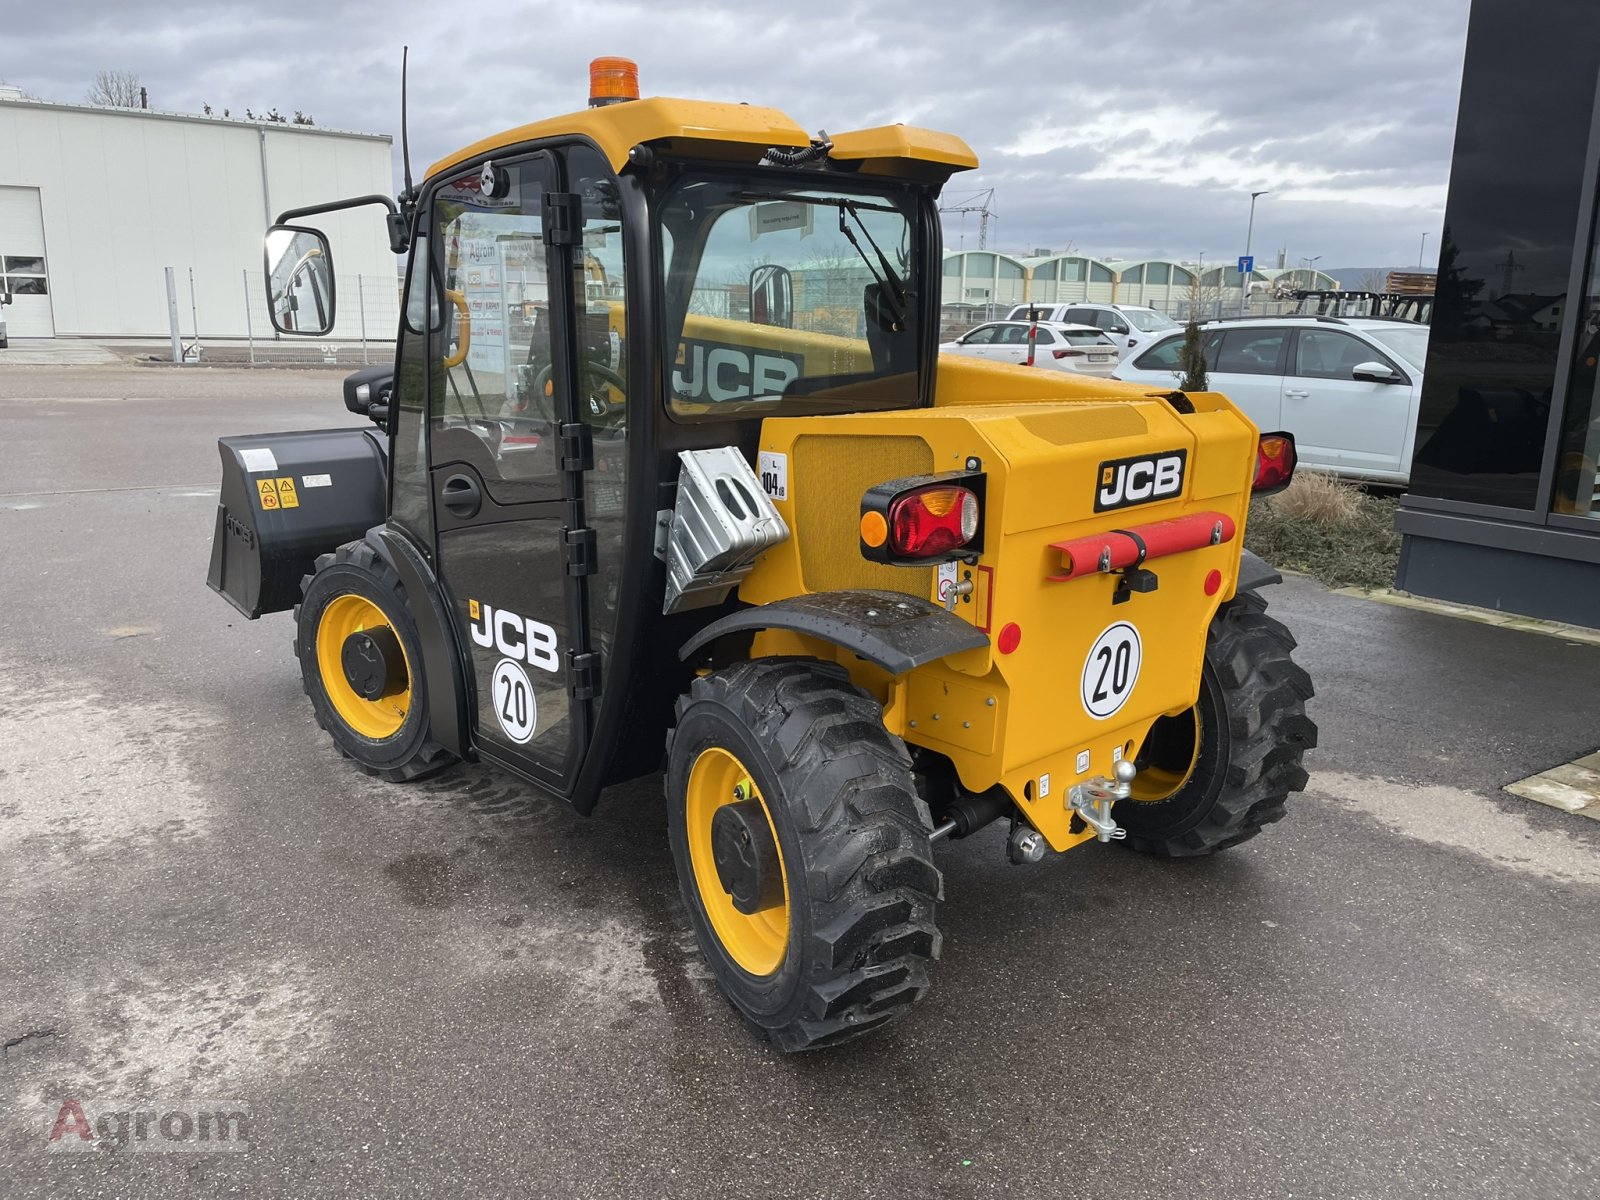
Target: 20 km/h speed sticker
{"x": 1111, "y": 670}
{"x": 514, "y": 703}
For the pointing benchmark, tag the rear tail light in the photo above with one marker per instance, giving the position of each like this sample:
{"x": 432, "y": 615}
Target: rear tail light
{"x": 1069, "y": 353}
{"x": 923, "y": 519}
{"x": 1275, "y": 463}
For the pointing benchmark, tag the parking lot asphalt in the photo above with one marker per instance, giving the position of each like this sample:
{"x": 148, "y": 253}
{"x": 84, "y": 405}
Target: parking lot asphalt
{"x": 459, "y": 988}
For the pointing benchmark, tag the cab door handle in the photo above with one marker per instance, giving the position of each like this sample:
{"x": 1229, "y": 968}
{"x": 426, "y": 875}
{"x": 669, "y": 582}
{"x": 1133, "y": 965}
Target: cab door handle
{"x": 462, "y": 496}
{"x": 1296, "y": 394}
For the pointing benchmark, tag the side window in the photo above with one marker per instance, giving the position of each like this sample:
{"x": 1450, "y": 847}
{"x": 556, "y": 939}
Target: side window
{"x": 1329, "y": 354}
{"x": 1080, "y": 316}
{"x": 1251, "y": 352}
{"x": 1164, "y": 356}
{"x": 494, "y": 405}
{"x": 1013, "y": 335}
{"x": 407, "y": 422}
{"x": 983, "y": 335}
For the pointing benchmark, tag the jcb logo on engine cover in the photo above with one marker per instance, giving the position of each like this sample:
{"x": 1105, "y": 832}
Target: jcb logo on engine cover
{"x": 1140, "y": 480}
{"x": 716, "y": 371}
{"x": 519, "y": 638}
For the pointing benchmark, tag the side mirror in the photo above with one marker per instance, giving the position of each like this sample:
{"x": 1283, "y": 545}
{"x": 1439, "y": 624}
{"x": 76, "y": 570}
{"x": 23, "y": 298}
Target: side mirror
{"x": 1373, "y": 372}
{"x": 299, "y": 273}
{"x": 772, "y": 296}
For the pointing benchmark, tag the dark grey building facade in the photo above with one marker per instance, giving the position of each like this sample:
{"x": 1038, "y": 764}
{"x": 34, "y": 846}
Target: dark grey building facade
{"x": 1504, "y": 507}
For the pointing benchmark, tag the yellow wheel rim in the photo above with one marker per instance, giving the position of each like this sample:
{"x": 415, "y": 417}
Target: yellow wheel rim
{"x": 756, "y": 941}
{"x": 375, "y": 719}
{"x": 1170, "y": 751}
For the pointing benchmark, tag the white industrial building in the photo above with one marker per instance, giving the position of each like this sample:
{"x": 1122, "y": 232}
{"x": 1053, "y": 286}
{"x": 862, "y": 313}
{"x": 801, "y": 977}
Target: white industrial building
{"x": 95, "y": 203}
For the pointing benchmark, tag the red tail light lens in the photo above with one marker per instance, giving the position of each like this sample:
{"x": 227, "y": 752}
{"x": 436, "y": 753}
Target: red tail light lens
{"x": 1069, "y": 353}
{"x": 1275, "y": 463}
{"x": 923, "y": 518}
{"x": 932, "y": 520}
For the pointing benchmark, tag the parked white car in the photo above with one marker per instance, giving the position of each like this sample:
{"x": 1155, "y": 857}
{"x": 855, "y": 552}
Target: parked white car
{"x": 1130, "y": 325}
{"x": 1346, "y": 387}
{"x": 1082, "y": 349}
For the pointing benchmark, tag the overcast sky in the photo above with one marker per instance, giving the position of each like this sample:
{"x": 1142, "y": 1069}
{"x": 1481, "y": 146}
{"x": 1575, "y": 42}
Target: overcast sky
{"x": 1119, "y": 128}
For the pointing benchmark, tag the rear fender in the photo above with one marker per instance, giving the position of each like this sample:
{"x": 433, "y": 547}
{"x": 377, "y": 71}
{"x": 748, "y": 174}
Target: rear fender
{"x": 894, "y": 631}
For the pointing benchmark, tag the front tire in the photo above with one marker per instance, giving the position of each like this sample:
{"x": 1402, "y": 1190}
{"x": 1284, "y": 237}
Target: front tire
{"x": 361, "y": 664}
{"x": 1216, "y": 774}
{"x": 802, "y": 850}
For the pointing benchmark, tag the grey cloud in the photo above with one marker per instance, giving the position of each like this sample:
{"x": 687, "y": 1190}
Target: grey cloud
{"x": 1356, "y": 102}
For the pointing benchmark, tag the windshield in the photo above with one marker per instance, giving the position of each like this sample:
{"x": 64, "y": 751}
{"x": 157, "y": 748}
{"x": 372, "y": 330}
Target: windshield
{"x": 1149, "y": 320}
{"x": 1408, "y": 341}
{"x": 787, "y": 298}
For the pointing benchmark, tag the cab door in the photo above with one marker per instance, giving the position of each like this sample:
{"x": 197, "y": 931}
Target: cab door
{"x": 503, "y": 473}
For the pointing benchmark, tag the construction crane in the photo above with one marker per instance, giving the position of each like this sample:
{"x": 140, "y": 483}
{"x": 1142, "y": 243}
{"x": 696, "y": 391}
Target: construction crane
{"x": 979, "y": 202}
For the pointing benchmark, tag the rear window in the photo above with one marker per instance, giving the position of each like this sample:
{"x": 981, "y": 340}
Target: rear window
{"x": 1087, "y": 339}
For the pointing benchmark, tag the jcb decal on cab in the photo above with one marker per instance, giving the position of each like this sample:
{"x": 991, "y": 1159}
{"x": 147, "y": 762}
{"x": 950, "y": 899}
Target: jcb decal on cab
{"x": 716, "y": 372}
{"x": 521, "y": 639}
{"x": 1139, "y": 480}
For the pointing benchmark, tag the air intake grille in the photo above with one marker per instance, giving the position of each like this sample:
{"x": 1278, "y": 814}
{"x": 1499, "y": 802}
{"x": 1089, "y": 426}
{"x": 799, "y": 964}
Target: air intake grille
{"x": 830, "y": 475}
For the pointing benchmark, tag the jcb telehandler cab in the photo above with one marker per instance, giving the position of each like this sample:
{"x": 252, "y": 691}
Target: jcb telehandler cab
{"x": 667, "y": 474}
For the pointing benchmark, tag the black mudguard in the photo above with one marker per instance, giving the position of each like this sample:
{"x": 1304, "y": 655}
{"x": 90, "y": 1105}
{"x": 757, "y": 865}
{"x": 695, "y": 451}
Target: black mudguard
{"x": 895, "y": 631}
{"x": 1255, "y": 573}
{"x": 287, "y": 498}
{"x": 445, "y": 662}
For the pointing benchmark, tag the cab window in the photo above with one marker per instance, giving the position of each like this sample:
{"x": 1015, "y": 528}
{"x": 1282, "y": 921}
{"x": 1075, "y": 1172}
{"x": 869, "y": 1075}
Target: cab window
{"x": 788, "y": 298}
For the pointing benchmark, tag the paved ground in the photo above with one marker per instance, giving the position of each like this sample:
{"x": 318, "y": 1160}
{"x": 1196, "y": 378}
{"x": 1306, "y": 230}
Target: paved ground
{"x": 456, "y": 987}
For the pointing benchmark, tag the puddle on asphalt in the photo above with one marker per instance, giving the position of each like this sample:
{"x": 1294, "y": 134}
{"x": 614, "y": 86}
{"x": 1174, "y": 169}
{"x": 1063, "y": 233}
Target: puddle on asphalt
{"x": 428, "y": 880}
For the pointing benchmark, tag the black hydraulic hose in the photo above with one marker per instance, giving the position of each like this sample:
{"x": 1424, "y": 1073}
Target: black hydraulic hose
{"x": 776, "y": 156}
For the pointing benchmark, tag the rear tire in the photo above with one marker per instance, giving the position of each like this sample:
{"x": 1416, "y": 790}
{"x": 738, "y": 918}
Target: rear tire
{"x": 850, "y": 947}
{"x": 1234, "y": 758}
{"x": 354, "y": 592}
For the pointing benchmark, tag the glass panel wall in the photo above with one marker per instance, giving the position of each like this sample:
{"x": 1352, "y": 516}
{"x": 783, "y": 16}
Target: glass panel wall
{"x": 1506, "y": 253}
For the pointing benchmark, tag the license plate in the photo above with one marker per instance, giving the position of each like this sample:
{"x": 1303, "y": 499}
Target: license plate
{"x": 1099, "y": 358}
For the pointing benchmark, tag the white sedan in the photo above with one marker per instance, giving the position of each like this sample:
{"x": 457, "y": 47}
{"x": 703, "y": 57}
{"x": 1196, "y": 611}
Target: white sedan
{"x": 1082, "y": 349}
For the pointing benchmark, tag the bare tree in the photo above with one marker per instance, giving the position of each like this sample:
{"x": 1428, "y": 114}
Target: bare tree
{"x": 1373, "y": 281}
{"x": 114, "y": 89}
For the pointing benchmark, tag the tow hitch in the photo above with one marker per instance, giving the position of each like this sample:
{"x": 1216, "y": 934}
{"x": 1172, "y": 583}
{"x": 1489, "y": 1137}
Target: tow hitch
{"x": 1092, "y": 800}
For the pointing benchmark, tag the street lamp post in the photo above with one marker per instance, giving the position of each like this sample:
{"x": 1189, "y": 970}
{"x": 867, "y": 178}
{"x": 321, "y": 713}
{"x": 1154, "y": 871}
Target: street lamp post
{"x": 1311, "y": 273}
{"x": 1422, "y": 251}
{"x": 1244, "y": 276}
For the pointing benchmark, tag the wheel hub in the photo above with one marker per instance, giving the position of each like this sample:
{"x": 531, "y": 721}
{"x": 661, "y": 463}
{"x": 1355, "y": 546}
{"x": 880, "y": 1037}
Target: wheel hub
{"x": 374, "y": 665}
{"x": 746, "y": 857}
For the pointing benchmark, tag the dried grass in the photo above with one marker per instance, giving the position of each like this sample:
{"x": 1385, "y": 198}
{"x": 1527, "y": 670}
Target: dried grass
{"x": 1319, "y": 498}
{"x": 1328, "y": 529}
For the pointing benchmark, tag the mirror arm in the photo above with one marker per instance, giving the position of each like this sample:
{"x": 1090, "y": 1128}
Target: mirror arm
{"x": 398, "y": 219}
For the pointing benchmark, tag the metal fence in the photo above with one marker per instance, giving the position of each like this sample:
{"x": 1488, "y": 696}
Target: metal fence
{"x": 219, "y": 321}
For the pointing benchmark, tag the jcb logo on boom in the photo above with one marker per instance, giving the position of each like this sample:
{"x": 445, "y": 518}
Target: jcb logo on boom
{"x": 1140, "y": 480}
{"x": 520, "y": 638}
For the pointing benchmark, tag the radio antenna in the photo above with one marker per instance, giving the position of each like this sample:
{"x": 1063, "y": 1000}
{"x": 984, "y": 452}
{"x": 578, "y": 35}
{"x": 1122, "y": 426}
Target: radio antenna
{"x": 405, "y": 136}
